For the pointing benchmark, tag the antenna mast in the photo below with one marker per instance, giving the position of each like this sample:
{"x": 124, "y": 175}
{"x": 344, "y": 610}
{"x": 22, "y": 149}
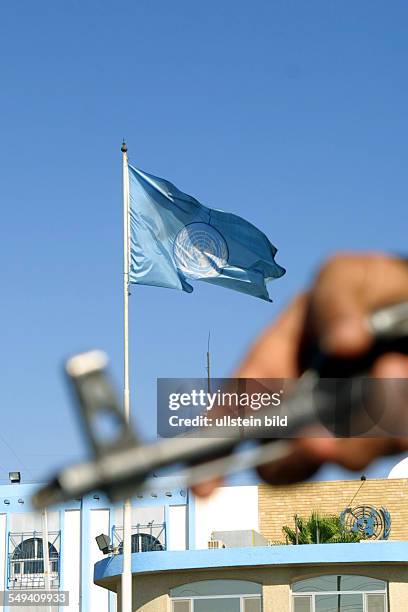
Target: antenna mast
{"x": 208, "y": 364}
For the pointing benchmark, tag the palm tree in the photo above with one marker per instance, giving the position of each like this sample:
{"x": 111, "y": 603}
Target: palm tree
{"x": 319, "y": 529}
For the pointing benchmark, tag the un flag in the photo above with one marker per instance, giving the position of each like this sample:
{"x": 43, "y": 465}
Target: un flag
{"x": 175, "y": 239}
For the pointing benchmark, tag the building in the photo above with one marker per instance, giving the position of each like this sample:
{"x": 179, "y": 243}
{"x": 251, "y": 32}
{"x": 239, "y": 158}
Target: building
{"x": 159, "y": 523}
{"x": 223, "y": 554}
{"x": 237, "y": 559}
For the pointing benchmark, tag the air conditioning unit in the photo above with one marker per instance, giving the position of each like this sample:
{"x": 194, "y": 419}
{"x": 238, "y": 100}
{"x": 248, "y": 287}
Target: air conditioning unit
{"x": 240, "y": 538}
{"x": 213, "y": 544}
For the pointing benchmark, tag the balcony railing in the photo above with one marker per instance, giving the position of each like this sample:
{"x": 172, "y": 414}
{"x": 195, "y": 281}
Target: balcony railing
{"x": 26, "y": 560}
{"x": 145, "y": 538}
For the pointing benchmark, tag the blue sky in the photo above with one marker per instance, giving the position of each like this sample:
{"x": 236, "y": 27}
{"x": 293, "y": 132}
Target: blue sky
{"x": 293, "y": 115}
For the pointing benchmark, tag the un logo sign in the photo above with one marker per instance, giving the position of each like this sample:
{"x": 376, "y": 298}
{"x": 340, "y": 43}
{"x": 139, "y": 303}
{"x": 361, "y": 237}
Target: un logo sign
{"x": 200, "y": 251}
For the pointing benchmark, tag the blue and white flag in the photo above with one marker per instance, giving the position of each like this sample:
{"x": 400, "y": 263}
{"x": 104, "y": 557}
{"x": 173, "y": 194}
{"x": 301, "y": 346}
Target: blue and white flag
{"x": 174, "y": 238}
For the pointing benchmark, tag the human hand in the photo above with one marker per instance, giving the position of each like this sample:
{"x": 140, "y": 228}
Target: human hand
{"x": 331, "y": 315}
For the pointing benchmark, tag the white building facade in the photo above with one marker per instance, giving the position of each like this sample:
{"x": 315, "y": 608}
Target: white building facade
{"x": 189, "y": 553}
{"x": 160, "y": 521}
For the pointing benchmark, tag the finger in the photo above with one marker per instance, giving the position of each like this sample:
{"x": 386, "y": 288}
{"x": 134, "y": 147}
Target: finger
{"x": 310, "y": 452}
{"x": 299, "y": 465}
{"x": 392, "y": 365}
{"x": 346, "y": 290}
{"x": 204, "y": 489}
{"x": 354, "y": 453}
{"x": 275, "y": 354}
{"x": 390, "y": 394}
{"x": 357, "y": 453}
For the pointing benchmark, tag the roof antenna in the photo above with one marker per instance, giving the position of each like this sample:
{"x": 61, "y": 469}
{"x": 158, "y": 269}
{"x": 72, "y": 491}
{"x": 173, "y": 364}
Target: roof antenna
{"x": 208, "y": 363}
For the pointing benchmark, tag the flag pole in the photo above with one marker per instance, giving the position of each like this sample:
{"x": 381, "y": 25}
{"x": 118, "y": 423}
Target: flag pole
{"x": 126, "y": 578}
{"x": 46, "y": 553}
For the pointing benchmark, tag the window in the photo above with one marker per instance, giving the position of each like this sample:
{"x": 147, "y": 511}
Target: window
{"x": 26, "y": 561}
{"x": 217, "y": 596}
{"x": 339, "y": 593}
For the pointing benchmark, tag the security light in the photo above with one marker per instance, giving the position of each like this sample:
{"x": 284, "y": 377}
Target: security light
{"x": 14, "y": 477}
{"x": 104, "y": 543}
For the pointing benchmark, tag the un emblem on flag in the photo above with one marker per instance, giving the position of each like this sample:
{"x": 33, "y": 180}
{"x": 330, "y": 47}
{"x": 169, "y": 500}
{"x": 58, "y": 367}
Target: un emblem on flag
{"x": 200, "y": 251}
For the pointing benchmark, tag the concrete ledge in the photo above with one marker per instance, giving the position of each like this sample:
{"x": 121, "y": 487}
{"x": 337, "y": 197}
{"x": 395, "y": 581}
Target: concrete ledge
{"x": 149, "y": 562}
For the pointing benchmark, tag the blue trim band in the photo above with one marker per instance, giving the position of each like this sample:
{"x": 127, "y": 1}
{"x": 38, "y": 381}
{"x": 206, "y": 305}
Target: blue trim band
{"x": 149, "y": 562}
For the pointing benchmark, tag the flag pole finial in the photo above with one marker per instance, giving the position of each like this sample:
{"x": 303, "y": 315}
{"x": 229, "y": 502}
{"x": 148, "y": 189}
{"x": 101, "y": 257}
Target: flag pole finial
{"x": 123, "y": 148}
